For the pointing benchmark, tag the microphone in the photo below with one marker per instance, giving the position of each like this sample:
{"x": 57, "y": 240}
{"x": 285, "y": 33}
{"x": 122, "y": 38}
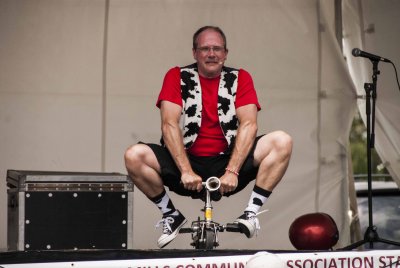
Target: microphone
{"x": 359, "y": 53}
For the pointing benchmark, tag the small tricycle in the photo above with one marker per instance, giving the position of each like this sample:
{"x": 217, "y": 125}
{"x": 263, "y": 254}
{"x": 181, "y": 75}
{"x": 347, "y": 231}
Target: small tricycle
{"x": 205, "y": 231}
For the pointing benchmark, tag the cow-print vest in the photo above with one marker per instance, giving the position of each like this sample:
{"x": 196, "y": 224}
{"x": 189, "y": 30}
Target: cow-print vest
{"x": 192, "y": 104}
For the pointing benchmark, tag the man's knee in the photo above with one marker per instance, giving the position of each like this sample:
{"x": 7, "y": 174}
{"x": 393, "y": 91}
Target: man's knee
{"x": 135, "y": 154}
{"x": 278, "y": 144}
{"x": 283, "y": 143}
{"x": 274, "y": 146}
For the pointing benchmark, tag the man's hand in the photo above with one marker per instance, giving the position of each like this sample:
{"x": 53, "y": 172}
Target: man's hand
{"x": 229, "y": 182}
{"x": 192, "y": 181}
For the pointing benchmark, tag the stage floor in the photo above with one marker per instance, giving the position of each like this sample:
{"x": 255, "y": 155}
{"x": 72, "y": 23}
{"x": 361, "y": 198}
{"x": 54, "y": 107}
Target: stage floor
{"x": 178, "y": 258}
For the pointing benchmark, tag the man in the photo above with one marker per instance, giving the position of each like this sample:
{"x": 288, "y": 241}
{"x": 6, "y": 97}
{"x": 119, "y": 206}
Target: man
{"x": 218, "y": 107}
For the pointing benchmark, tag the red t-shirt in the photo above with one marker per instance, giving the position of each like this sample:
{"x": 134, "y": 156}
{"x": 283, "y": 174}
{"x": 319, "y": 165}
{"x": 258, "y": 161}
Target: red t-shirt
{"x": 210, "y": 140}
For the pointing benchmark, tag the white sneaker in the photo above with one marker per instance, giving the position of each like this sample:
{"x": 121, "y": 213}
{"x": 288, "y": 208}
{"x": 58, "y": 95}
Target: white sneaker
{"x": 248, "y": 223}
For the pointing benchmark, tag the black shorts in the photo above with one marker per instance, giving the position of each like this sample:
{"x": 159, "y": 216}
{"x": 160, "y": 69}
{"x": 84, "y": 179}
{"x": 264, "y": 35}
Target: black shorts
{"x": 205, "y": 167}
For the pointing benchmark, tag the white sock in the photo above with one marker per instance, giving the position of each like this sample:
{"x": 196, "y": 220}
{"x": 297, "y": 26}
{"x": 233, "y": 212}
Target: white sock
{"x": 258, "y": 197}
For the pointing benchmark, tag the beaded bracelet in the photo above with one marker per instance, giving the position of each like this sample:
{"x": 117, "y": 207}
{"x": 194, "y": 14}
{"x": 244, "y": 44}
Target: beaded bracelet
{"x": 232, "y": 171}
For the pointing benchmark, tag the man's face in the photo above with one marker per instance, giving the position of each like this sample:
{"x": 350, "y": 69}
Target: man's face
{"x": 210, "y": 54}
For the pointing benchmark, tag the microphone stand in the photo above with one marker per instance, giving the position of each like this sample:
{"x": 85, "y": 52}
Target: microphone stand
{"x": 371, "y": 234}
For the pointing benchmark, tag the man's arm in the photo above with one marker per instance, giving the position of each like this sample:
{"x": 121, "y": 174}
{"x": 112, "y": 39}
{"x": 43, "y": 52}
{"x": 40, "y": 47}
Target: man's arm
{"x": 246, "y": 134}
{"x": 172, "y": 136}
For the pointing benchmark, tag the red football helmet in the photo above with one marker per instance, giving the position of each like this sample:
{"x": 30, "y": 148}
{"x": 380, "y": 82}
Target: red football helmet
{"x": 314, "y": 231}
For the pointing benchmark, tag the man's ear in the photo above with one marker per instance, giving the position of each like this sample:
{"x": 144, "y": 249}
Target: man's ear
{"x": 194, "y": 53}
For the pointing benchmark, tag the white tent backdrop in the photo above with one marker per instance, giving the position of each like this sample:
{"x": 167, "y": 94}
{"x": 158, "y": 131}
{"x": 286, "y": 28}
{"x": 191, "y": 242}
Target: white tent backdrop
{"x": 79, "y": 80}
{"x": 377, "y": 30}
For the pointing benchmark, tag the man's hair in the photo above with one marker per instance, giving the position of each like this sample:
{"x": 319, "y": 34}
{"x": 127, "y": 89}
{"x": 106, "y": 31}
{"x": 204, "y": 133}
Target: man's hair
{"x": 204, "y": 28}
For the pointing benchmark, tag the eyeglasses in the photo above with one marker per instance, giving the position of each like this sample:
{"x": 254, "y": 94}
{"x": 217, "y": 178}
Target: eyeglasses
{"x": 208, "y": 49}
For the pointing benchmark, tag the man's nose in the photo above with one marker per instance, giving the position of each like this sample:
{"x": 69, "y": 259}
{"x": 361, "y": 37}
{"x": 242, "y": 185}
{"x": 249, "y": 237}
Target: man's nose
{"x": 211, "y": 52}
